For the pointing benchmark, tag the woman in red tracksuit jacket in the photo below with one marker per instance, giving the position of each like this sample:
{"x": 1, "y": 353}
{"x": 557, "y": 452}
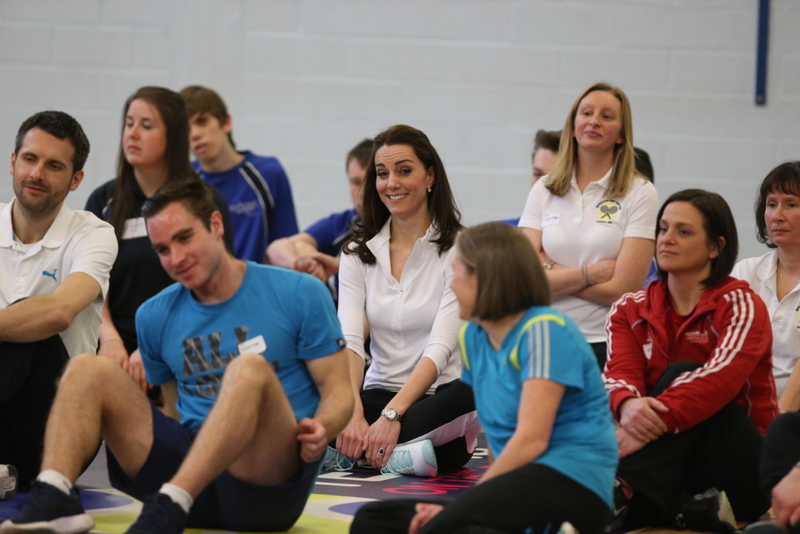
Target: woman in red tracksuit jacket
{"x": 689, "y": 375}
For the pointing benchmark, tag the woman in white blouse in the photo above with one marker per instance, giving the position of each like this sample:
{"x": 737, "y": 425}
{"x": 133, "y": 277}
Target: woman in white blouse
{"x": 592, "y": 219}
{"x": 775, "y": 276}
{"x": 412, "y": 415}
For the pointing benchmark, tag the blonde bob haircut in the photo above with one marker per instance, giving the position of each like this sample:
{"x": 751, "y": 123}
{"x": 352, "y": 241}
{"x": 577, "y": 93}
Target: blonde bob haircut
{"x": 510, "y": 275}
{"x": 559, "y": 180}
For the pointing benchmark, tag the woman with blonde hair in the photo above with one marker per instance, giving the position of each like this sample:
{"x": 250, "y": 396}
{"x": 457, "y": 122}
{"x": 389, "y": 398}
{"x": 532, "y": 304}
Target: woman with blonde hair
{"x": 592, "y": 219}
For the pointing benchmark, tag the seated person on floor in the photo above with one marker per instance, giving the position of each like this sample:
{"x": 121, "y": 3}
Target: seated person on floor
{"x": 250, "y": 359}
{"x": 540, "y": 399}
{"x": 690, "y": 378}
{"x": 775, "y": 276}
{"x": 256, "y": 187}
{"x": 316, "y": 251}
{"x": 780, "y": 472}
{"x": 54, "y": 265}
{"x": 413, "y": 415}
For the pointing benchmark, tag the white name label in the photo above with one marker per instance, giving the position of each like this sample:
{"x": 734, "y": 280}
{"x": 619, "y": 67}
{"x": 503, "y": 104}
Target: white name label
{"x": 257, "y": 345}
{"x": 134, "y": 228}
{"x": 550, "y": 220}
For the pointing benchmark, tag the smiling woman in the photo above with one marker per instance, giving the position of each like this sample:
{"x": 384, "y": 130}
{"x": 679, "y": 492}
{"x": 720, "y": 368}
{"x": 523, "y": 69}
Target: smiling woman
{"x": 413, "y": 415}
{"x": 591, "y": 220}
{"x": 154, "y": 149}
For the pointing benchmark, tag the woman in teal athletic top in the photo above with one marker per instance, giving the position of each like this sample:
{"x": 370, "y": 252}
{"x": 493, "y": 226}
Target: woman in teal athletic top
{"x": 540, "y": 400}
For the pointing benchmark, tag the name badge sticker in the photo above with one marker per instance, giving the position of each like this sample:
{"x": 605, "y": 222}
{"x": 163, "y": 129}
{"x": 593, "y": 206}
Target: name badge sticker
{"x": 550, "y": 219}
{"x": 134, "y": 228}
{"x": 257, "y": 345}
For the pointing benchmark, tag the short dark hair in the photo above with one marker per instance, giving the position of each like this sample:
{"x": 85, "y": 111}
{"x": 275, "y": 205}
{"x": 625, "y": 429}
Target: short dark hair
{"x": 361, "y": 153}
{"x": 195, "y": 196}
{"x": 643, "y": 164}
{"x": 441, "y": 203}
{"x": 510, "y": 275}
{"x": 718, "y": 223}
{"x": 61, "y": 126}
{"x": 547, "y": 140}
{"x": 201, "y": 99}
{"x": 785, "y": 178}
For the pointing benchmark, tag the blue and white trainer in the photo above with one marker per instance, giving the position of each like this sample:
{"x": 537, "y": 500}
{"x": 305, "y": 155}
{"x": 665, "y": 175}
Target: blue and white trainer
{"x": 160, "y": 514}
{"x": 48, "y": 510}
{"x": 336, "y": 461}
{"x": 417, "y": 458}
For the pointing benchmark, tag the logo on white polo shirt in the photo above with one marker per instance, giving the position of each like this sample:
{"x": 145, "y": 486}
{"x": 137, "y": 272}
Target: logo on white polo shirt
{"x": 608, "y": 210}
{"x": 51, "y": 275}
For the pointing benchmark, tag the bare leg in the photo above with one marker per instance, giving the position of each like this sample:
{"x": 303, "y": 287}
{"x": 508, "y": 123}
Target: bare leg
{"x": 251, "y": 431}
{"x": 95, "y": 399}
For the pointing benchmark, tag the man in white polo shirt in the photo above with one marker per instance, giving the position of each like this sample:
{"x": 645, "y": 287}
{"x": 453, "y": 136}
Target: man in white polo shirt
{"x": 54, "y": 265}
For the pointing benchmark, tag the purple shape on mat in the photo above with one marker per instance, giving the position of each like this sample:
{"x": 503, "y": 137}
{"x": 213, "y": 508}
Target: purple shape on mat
{"x": 349, "y": 508}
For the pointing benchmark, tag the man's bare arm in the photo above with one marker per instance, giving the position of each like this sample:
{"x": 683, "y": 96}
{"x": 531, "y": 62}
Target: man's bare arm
{"x": 43, "y": 316}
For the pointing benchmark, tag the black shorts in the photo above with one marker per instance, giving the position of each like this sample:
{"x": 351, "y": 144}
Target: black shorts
{"x": 227, "y": 503}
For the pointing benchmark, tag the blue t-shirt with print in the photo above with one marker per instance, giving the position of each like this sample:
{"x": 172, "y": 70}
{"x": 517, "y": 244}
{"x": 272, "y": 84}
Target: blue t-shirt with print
{"x": 184, "y": 340}
{"x": 546, "y": 344}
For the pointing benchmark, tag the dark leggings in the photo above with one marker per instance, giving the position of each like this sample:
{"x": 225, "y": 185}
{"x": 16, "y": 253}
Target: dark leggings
{"x": 781, "y": 452}
{"x": 431, "y": 412}
{"x": 28, "y": 376}
{"x": 533, "y": 499}
{"x": 720, "y": 452}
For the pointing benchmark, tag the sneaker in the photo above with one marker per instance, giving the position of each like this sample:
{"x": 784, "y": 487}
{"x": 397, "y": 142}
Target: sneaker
{"x": 335, "y": 460}
{"x": 8, "y": 481}
{"x": 160, "y": 514}
{"x": 621, "y": 502}
{"x": 567, "y": 528}
{"x": 763, "y": 527}
{"x": 48, "y": 510}
{"x": 710, "y": 512}
{"x": 417, "y": 458}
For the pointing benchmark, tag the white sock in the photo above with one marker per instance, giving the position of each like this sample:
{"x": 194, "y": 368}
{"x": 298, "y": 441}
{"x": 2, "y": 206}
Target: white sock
{"x": 55, "y": 479}
{"x": 178, "y": 495}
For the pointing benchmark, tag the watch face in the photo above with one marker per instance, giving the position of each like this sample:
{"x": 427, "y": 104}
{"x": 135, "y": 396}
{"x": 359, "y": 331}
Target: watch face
{"x": 391, "y": 414}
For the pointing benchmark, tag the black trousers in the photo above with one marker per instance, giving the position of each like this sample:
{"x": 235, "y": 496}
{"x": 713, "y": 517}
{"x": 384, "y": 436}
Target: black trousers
{"x": 533, "y": 499}
{"x": 781, "y": 452}
{"x": 721, "y": 452}
{"x": 450, "y": 402}
{"x": 28, "y": 376}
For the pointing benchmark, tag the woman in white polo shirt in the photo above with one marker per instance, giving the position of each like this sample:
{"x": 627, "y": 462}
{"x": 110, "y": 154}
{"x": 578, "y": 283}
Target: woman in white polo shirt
{"x": 592, "y": 219}
{"x": 775, "y": 276}
{"x": 397, "y": 270}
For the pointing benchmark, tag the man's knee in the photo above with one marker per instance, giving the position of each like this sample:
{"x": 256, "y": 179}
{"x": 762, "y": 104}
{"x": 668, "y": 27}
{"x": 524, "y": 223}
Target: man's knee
{"x": 250, "y": 367}
{"x": 90, "y": 368}
{"x": 672, "y": 372}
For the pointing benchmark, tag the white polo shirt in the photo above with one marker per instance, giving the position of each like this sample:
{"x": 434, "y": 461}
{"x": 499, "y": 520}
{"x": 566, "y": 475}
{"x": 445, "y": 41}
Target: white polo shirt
{"x": 414, "y": 318}
{"x": 583, "y": 228}
{"x": 77, "y": 241}
{"x": 760, "y": 273}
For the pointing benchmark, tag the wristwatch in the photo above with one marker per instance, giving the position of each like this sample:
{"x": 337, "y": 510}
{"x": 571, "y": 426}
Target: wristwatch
{"x": 391, "y": 414}
{"x": 548, "y": 265}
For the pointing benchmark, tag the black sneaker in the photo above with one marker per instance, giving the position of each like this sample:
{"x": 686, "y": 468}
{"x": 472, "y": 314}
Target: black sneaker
{"x": 621, "y": 502}
{"x": 159, "y": 514}
{"x": 709, "y": 512}
{"x": 8, "y": 481}
{"x": 48, "y": 510}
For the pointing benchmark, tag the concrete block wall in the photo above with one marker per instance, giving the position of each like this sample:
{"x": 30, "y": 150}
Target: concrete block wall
{"x": 307, "y": 79}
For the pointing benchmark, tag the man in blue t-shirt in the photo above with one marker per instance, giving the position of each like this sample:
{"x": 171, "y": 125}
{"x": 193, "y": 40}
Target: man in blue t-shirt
{"x": 316, "y": 251}
{"x": 256, "y": 187}
{"x": 254, "y": 378}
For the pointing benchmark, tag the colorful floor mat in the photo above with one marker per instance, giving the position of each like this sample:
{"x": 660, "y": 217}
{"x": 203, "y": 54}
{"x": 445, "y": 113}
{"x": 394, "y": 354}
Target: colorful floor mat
{"x": 329, "y": 510}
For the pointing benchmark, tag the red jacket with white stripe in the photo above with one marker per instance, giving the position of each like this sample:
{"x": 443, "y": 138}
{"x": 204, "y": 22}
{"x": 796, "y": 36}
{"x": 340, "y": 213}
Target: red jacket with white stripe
{"x": 729, "y": 332}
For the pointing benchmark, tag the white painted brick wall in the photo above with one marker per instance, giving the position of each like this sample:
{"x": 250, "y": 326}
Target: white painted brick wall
{"x": 307, "y": 79}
